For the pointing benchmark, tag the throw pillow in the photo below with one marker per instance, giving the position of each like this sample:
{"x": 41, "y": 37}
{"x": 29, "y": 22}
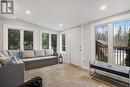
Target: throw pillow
{"x": 5, "y": 53}
{"x": 13, "y": 60}
{"x": 2, "y": 54}
{"x": 17, "y": 55}
{"x": 28, "y": 54}
{"x": 17, "y": 61}
{"x": 38, "y": 53}
{"x": 49, "y": 52}
{"x": 5, "y": 60}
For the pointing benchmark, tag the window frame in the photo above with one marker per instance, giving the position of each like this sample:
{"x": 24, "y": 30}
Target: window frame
{"x": 33, "y": 38}
{"x": 103, "y": 25}
{"x": 56, "y": 41}
{"x": 117, "y": 23}
{"x": 19, "y": 38}
{"x": 116, "y": 60}
{"x": 48, "y": 41}
{"x": 109, "y": 22}
{"x": 61, "y": 49}
{"x": 21, "y": 29}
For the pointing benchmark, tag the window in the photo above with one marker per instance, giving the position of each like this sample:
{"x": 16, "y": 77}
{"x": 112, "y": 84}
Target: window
{"x": 63, "y": 42}
{"x": 45, "y": 41}
{"x": 13, "y": 39}
{"x": 102, "y": 43}
{"x": 54, "y": 42}
{"x": 28, "y": 40}
{"x": 121, "y": 44}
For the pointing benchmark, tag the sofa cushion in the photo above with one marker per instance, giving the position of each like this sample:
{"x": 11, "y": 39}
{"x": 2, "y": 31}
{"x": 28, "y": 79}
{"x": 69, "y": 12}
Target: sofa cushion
{"x": 39, "y": 53}
{"x": 28, "y": 54}
{"x": 5, "y": 60}
{"x": 49, "y": 52}
{"x": 39, "y": 58}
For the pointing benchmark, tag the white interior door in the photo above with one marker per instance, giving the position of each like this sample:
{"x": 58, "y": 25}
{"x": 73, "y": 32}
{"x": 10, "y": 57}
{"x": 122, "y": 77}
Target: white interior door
{"x": 76, "y": 46}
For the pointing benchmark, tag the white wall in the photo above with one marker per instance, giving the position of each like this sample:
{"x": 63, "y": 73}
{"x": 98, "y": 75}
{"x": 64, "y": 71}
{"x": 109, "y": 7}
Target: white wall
{"x": 86, "y": 45}
{"x": 0, "y": 33}
{"x": 23, "y": 25}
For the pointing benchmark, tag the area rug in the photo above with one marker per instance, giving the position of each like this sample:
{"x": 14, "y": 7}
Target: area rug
{"x": 64, "y": 75}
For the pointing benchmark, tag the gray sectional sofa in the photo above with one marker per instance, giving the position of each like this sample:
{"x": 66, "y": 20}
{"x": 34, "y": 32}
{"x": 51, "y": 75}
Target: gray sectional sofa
{"x": 12, "y": 74}
{"x": 36, "y": 58}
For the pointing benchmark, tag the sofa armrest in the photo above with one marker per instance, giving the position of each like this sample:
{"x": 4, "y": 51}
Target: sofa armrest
{"x": 34, "y": 82}
{"x": 12, "y": 75}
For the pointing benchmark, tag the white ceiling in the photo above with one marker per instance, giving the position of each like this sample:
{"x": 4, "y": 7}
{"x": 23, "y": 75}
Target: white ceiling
{"x": 70, "y": 13}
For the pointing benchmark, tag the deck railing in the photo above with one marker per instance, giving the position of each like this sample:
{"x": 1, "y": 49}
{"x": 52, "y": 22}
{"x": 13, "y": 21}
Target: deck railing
{"x": 119, "y": 53}
{"x": 101, "y": 52}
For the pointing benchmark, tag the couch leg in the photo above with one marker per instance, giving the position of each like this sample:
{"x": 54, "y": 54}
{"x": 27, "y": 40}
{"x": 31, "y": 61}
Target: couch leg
{"x": 91, "y": 73}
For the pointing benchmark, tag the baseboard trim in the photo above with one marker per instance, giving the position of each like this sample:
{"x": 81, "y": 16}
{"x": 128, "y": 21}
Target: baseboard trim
{"x": 84, "y": 67}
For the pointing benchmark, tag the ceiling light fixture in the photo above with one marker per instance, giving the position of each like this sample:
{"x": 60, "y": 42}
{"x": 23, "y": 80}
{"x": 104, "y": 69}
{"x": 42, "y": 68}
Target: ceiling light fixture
{"x": 28, "y": 12}
{"x": 103, "y": 7}
{"x": 60, "y": 25}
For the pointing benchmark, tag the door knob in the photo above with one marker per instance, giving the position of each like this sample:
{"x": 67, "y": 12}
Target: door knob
{"x": 80, "y": 49}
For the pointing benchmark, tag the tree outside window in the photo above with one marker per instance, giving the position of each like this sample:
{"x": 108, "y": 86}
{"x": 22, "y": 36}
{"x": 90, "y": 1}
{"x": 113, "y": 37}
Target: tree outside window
{"x": 28, "y": 40}
{"x": 63, "y": 42}
{"x": 54, "y": 42}
{"x": 122, "y": 43}
{"x": 13, "y": 39}
{"x": 45, "y": 41}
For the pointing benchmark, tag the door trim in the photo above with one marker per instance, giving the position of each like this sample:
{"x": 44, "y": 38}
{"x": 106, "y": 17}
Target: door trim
{"x": 82, "y": 57}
